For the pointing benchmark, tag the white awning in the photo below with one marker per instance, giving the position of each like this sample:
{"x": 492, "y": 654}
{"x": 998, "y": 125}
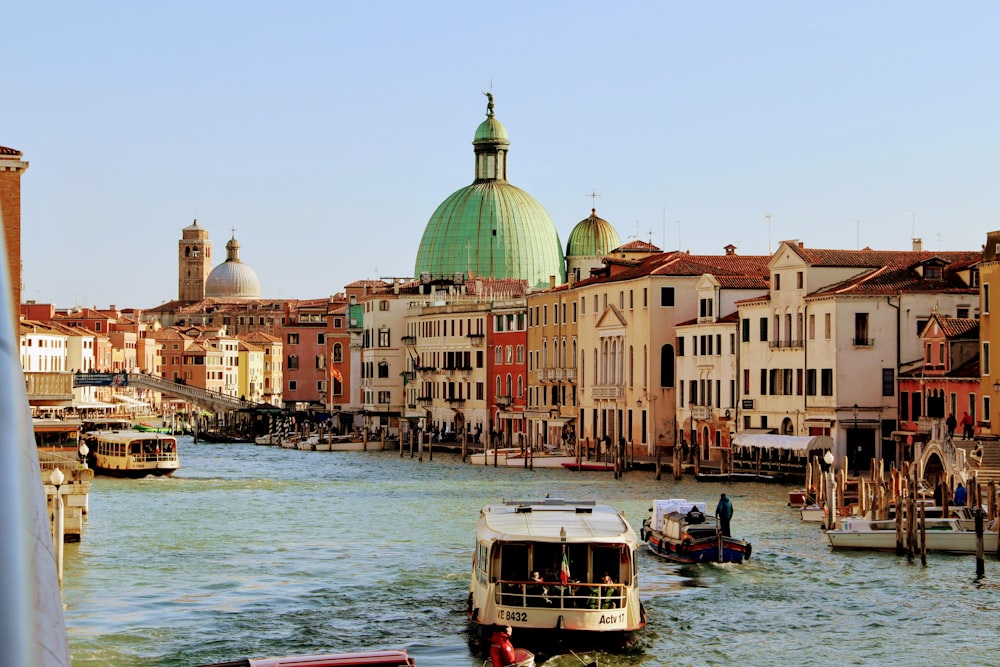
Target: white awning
{"x": 801, "y": 443}
{"x": 128, "y": 400}
{"x": 96, "y": 405}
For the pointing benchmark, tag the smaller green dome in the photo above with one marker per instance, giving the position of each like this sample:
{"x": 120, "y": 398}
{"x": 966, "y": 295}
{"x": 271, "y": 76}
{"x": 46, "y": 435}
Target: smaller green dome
{"x": 491, "y": 131}
{"x": 592, "y": 237}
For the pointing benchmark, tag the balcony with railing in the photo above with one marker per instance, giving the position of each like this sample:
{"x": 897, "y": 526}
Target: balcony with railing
{"x": 787, "y": 344}
{"x": 504, "y": 401}
{"x": 606, "y": 392}
{"x": 857, "y": 341}
{"x": 409, "y": 340}
{"x": 454, "y": 400}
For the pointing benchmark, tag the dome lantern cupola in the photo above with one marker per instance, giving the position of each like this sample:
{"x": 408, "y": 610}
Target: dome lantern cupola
{"x": 491, "y": 228}
{"x": 233, "y": 279}
{"x": 490, "y": 144}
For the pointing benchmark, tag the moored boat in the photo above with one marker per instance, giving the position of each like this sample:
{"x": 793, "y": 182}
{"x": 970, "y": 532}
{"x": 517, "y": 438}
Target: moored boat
{"x": 680, "y": 531}
{"x": 813, "y": 513}
{"x": 590, "y": 466}
{"x": 557, "y": 571}
{"x": 539, "y": 460}
{"x": 491, "y": 456}
{"x": 942, "y": 534}
{"x": 384, "y": 658}
{"x": 132, "y": 453}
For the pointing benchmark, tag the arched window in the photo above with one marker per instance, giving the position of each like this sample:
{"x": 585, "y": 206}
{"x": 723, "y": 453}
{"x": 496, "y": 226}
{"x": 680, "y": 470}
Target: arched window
{"x": 520, "y": 386}
{"x": 667, "y": 366}
{"x": 338, "y": 352}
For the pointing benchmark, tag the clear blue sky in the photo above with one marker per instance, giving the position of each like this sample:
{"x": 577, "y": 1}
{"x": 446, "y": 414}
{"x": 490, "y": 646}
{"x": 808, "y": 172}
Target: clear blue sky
{"x": 327, "y": 133}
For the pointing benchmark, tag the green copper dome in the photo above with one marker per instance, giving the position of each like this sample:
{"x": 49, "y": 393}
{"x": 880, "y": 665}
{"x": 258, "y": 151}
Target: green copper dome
{"x": 491, "y": 228}
{"x": 491, "y": 131}
{"x": 592, "y": 236}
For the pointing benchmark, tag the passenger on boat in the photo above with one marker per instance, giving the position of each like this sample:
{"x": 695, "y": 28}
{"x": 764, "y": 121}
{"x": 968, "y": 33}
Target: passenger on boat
{"x": 501, "y": 650}
{"x": 538, "y": 592}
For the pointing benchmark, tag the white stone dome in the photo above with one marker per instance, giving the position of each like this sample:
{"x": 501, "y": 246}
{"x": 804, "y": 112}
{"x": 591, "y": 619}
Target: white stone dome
{"x": 233, "y": 279}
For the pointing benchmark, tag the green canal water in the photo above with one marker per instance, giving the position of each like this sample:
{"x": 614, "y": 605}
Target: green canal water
{"x": 253, "y": 551}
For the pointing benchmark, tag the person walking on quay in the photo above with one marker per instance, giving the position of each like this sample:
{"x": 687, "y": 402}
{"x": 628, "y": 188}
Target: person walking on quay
{"x": 967, "y": 433}
{"x": 960, "y": 495}
{"x": 724, "y": 513}
{"x": 951, "y": 423}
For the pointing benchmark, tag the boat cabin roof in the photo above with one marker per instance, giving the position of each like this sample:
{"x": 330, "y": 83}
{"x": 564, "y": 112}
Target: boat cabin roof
{"x": 554, "y": 520}
{"x": 131, "y": 436}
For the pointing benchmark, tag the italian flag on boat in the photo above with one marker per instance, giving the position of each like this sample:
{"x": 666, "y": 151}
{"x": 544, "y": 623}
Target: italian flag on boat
{"x": 564, "y": 569}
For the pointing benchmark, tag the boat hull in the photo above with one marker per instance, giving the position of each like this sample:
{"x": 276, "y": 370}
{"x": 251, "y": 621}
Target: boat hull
{"x": 590, "y": 466}
{"x": 708, "y": 550}
{"x": 943, "y": 535}
{"x": 539, "y": 461}
{"x": 136, "y": 473}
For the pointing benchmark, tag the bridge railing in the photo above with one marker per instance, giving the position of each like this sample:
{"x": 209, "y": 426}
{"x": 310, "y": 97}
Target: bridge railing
{"x": 194, "y": 394}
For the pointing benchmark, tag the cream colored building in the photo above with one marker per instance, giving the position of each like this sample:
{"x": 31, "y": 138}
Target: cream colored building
{"x": 821, "y": 353}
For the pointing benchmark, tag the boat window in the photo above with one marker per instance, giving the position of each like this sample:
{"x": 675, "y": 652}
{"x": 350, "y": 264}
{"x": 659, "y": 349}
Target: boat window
{"x": 610, "y": 559}
{"x": 513, "y": 562}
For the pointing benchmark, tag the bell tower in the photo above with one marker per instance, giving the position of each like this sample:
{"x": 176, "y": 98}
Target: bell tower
{"x": 194, "y": 262}
{"x": 11, "y": 168}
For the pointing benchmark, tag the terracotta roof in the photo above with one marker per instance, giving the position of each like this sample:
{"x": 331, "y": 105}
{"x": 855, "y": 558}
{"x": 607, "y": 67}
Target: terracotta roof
{"x": 733, "y": 271}
{"x": 959, "y": 327}
{"x": 640, "y": 246}
{"x": 9, "y": 151}
{"x": 259, "y": 337}
{"x": 892, "y": 272}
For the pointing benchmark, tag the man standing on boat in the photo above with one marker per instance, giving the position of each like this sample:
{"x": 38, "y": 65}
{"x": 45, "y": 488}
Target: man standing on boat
{"x": 724, "y": 513}
{"x": 501, "y": 650}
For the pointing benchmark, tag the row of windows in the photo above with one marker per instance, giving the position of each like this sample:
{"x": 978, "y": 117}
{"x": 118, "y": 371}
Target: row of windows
{"x": 449, "y": 360}
{"x": 465, "y": 327}
{"x": 293, "y": 363}
{"x": 706, "y": 345}
{"x": 498, "y": 354}
{"x": 914, "y": 405}
{"x": 452, "y": 391}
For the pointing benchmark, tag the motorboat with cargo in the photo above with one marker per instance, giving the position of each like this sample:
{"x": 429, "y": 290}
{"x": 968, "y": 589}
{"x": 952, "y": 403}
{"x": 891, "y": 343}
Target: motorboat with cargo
{"x": 682, "y": 532}
{"x": 557, "y": 571}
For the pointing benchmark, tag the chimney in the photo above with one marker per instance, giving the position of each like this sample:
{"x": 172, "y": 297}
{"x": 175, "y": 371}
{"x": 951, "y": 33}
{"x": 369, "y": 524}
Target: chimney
{"x": 918, "y": 245}
{"x": 552, "y": 282}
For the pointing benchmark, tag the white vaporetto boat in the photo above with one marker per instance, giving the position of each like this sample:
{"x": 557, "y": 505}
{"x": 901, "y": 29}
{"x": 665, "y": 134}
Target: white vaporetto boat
{"x": 556, "y": 566}
{"x": 948, "y": 535}
{"x": 132, "y": 453}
